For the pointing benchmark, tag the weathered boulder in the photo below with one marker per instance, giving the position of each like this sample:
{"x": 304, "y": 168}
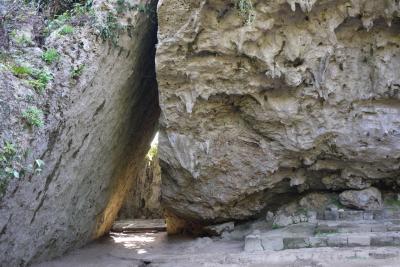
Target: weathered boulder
{"x": 95, "y": 132}
{"x": 367, "y": 199}
{"x": 285, "y": 97}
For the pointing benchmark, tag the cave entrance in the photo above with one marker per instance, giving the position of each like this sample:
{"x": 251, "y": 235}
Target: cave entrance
{"x": 134, "y": 189}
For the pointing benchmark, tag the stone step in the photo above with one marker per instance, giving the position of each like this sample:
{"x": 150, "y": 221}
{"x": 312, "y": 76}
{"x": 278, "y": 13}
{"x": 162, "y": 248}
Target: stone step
{"x": 139, "y": 225}
{"x": 326, "y": 227}
{"x": 343, "y": 240}
{"x": 356, "y": 215}
{"x": 257, "y": 243}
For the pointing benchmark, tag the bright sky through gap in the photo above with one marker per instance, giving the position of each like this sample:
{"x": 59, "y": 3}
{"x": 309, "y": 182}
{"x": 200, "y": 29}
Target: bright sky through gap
{"x": 155, "y": 140}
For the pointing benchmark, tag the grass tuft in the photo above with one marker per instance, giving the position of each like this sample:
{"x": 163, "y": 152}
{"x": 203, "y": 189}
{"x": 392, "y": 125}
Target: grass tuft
{"x": 66, "y": 30}
{"x": 50, "y": 56}
{"x": 33, "y": 116}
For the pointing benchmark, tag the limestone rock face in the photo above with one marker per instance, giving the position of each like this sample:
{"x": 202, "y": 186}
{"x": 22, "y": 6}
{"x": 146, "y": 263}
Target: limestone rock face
{"x": 304, "y": 97}
{"x": 97, "y": 130}
{"x": 367, "y": 199}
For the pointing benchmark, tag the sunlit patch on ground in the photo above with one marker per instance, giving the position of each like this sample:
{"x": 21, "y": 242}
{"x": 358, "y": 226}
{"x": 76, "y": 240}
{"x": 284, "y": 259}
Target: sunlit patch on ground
{"x": 137, "y": 241}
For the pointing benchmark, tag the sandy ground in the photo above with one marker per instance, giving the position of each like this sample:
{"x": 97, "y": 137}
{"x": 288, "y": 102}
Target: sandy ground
{"x": 157, "y": 249}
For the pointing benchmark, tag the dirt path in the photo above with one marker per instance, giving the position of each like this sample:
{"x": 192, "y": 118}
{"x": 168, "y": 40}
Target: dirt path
{"x": 157, "y": 249}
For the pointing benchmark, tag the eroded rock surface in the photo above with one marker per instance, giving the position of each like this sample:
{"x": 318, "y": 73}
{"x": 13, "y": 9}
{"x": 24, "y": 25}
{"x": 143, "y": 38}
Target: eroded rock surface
{"x": 304, "y": 98}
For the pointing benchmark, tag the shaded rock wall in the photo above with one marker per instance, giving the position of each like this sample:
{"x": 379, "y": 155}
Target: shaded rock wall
{"x": 304, "y": 98}
{"x": 143, "y": 201}
{"x": 95, "y": 137}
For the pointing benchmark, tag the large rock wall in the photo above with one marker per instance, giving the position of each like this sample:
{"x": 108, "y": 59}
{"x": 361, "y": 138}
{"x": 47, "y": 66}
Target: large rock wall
{"x": 96, "y": 134}
{"x": 262, "y": 105}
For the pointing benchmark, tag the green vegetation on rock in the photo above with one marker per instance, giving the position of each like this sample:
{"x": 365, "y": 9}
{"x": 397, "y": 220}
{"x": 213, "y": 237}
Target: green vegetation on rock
{"x": 12, "y": 165}
{"x": 21, "y": 38}
{"x": 78, "y": 15}
{"x": 7, "y": 171}
{"x": 50, "y": 55}
{"x": 21, "y": 70}
{"x": 33, "y": 116}
{"x": 110, "y": 29}
{"x": 66, "y": 29}
{"x": 77, "y": 71}
{"x": 9, "y": 149}
{"x": 42, "y": 78}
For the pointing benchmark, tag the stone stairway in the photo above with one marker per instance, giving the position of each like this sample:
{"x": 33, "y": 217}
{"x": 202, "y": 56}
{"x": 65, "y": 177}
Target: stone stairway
{"x": 337, "y": 228}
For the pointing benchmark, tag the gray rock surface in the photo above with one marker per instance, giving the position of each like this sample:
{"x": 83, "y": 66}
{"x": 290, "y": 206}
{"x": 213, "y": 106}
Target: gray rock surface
{"x": 219, "y": 229}
{"x": 367, "y": 199}
{"x": 96, "y": 132}
{"x": 305, "y": 97}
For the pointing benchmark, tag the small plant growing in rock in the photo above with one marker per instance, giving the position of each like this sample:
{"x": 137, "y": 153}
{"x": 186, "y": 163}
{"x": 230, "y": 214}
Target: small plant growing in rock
{"x": 9, "y": 150}
{"x": 58, "y": 21}
{"x": 43, "y": 75}
{"x": 21, "y": 38}
{"x": 66, "y": 29}
{"x": 111, "y": 29}
{"x": 33, "y": 116}
{"x": 246, "y": 10}
{"x": 76, "y": 72}
{"x": 41, "y": 79}
{"x": 21, "y": 71}
{"x": 50, "y": 56}
{"x": 7, "y": 154}
{"x": 38, "y": 85}
{"x": 78, "y": 15}
{"x": 38, "y": 165}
